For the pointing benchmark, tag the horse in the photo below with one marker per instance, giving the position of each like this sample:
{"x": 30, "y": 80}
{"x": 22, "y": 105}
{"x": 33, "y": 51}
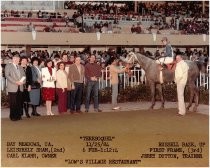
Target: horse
{"x": 152, "y": 72}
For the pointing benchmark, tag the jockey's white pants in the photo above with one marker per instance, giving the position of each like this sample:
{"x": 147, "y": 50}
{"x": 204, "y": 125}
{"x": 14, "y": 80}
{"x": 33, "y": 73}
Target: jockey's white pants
{"x": 180, "y": 96}
{"x": 165, "y": 60}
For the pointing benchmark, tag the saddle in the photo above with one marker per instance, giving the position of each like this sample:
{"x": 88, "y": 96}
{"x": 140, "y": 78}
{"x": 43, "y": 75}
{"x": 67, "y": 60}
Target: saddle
{"x": 170, "y": 67}
{"x": 167, "y": 70}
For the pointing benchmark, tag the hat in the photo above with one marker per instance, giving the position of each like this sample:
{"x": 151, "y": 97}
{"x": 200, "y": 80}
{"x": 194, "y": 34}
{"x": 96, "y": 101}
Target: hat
{"x": 164, "y": 39}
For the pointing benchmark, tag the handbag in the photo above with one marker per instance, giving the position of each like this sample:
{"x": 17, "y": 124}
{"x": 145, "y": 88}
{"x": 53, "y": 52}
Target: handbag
{"x": 35, "y": 85}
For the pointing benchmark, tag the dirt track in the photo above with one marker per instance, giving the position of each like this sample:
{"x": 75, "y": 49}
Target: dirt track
{"x": 132, "y": 134}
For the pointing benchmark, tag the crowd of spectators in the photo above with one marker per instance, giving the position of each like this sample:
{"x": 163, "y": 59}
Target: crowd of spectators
{"x": 102, "y": 57}
{"x": 30, "y": 14}
{"x": 194, "y": 26}
{"x": 155, "y": 12}
{"x": 186, "y": 17}
{"x": 186, "y": 8}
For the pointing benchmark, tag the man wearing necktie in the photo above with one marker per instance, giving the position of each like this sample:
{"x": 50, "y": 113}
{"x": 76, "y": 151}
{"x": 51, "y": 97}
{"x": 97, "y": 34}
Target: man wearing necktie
{"x": 15, "y": 80}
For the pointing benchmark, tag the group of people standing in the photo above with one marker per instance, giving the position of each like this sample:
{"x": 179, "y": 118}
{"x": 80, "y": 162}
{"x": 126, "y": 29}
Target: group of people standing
{"x": 27, "y": 85}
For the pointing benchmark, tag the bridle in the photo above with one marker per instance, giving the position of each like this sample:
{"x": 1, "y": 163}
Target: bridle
{"x": 132, "y": 58}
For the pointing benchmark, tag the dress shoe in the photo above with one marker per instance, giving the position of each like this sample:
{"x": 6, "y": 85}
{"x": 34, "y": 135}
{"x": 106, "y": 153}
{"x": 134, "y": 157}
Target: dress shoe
{"x": 79, "y": 112}
{"x": 72, "y": 111}
{"x": 98, "y": 110}
{"x": 28, "y": 116}
{"x": 116, "y": 108}
{"x": 180, "y": 115}
{"x": 51, "y": 113}
{"x": 35, "y": 114}
{"x": 86, "y": 111}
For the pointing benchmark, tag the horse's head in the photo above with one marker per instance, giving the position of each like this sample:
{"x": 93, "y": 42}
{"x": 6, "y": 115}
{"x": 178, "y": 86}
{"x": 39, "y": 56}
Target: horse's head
{"x": 130, "y": 58}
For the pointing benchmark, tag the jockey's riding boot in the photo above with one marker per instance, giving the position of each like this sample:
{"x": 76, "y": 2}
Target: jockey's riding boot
{"x": 25, "y": 105}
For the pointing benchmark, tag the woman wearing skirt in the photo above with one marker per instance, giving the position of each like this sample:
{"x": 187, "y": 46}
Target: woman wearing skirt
{"x": 35, "y": 86}
{"x": 48, "y": 90}
{"x": 27, "y": 85}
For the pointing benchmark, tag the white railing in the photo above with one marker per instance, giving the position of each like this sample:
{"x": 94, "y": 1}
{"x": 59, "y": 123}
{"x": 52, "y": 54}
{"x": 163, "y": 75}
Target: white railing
{"x": 203, "y": 80}
{"x": 137, "y": 77}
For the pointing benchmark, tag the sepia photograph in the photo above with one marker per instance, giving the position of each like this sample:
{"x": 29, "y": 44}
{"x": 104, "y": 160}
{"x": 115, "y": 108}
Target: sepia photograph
{"x": 104, "y": 83}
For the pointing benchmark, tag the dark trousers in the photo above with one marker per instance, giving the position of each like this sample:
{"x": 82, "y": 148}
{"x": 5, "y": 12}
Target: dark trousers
{"x": 62, "y": 100}
{"x": 69, "y": 99}
{"x": 76, "y": 97}
{"x": 92, "y": 90}
{"x": 16, "y": 105}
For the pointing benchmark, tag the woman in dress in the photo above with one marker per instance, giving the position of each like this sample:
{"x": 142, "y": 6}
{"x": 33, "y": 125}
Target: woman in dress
{"x": 27, "y": 85}
{"x": 61, "y": 87}
{"x": 35, "y": 85}
{"x": 48, "y": 90}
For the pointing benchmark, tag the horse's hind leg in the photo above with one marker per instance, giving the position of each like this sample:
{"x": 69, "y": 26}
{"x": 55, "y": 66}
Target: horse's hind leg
{"x": 152, "y": 88}
{"x": 160, "y": 88}
{"x": 191, "y": 97}
{"x": 193, "y": 92}
{"x": 196, "y": 99}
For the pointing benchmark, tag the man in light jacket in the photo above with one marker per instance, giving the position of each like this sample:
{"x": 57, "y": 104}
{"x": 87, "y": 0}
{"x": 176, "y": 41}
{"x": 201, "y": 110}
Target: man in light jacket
{"x": 181, "y": 74}
{"x": 76, "y": 76}
{"x": 114, "y": 71}
{"x": 15, "y": 79}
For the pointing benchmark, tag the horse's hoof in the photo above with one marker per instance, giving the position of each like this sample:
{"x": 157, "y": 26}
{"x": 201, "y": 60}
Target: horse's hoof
{"x": 195, "y": 109}
{"x": 162, "y": 107}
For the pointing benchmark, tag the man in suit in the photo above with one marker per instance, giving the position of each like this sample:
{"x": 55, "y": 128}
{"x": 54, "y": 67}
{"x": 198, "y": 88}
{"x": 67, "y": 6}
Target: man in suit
{"x": 15, "y": 76}
{"x": 76, "y": 76}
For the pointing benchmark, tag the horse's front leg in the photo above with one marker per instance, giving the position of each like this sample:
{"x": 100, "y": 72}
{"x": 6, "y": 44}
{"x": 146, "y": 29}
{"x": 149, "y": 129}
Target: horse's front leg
{"x": 152, "y": 88}
{"x": 160, "y": 88}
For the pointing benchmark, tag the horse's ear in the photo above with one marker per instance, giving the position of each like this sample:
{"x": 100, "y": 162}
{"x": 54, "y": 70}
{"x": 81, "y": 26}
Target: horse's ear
{"x": 131, "y": 53}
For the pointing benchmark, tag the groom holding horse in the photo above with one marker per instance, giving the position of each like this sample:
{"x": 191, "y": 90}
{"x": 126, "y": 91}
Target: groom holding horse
{"x": 181, "y": 75}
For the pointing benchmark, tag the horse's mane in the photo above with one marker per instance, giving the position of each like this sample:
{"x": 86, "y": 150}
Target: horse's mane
{"x": 147, "y": 55}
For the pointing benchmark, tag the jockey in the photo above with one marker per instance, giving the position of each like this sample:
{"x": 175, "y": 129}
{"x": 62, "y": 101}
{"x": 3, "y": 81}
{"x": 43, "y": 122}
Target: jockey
{"x": 168, "y": 55}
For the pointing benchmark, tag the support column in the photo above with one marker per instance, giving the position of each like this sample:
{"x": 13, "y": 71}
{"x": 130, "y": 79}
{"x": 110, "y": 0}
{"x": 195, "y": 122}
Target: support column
{"x": 135, "y": 6}
{"x": 203, "y": 7}
{"x": 141, "y": 49}
{"x": 59, "y": 4}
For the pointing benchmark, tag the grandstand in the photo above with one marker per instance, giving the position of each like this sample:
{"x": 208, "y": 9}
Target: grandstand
{"x": 74, "y": 24}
